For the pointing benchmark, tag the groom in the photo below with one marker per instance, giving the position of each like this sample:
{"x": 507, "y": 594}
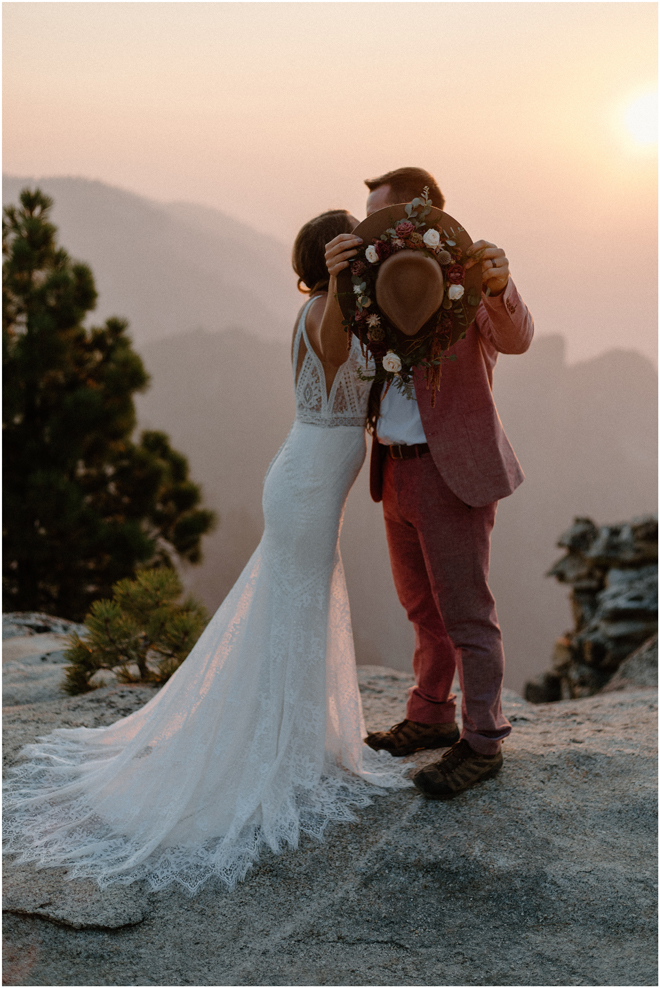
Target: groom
{"x": 440, "y": 472}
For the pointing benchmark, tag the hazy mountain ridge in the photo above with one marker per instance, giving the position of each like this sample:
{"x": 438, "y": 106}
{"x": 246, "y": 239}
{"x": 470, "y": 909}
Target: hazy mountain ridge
{"x": 169, "y": 268}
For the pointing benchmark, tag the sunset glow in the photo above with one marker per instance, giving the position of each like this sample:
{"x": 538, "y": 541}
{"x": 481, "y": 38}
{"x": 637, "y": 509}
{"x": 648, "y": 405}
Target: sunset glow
{"x": 535, "y": 118}
{"x": 642, "y": 118}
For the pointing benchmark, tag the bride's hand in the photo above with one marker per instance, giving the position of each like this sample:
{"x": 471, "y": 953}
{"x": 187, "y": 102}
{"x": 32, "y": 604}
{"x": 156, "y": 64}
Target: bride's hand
{"x": 338, "y": 252}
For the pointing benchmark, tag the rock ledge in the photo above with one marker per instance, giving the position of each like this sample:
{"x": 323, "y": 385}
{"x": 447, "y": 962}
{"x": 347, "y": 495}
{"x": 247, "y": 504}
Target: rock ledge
{"x": 542, "y": 876}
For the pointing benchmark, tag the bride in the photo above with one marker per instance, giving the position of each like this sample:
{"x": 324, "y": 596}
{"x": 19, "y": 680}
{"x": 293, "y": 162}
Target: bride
{"x": 259, "y": 734}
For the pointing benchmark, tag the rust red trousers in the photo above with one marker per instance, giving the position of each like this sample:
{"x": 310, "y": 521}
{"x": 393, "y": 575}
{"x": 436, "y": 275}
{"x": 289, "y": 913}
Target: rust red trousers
{"x": 440, "y": 554}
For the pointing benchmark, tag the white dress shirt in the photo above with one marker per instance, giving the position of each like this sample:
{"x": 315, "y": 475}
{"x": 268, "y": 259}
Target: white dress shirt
{"x": 400, "y": 422}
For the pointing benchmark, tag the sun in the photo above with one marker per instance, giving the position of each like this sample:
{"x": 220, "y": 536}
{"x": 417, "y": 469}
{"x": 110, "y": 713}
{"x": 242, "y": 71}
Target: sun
{"x": 641, "y": 118}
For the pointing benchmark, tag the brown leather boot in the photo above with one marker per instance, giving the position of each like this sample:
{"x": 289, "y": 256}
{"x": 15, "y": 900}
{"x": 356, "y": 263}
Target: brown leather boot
{"x": 409, "y": 736}
{"x": 459, "y": 769}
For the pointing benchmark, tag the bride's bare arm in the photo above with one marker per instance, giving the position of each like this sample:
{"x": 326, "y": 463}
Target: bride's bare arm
{"x": 328, "y": 336}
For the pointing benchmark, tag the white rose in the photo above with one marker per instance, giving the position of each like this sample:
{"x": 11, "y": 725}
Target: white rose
{"x": 455, "y": 292}
{"x": 371, "y": 254}
{"x": 431, "y": 238}
{"x": 391, "y": 363}
{"x": 357, "y": 289}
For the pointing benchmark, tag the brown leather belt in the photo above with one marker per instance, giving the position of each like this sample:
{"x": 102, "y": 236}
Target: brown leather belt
{"x": 413, "y": 452}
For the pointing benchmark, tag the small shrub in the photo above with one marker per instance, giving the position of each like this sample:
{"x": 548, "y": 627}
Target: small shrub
{"x": 142, "y": 635}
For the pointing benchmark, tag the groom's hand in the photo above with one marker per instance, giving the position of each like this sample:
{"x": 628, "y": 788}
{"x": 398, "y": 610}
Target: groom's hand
{"x": 338, "y": 252}
{"x": 494, "y": 265}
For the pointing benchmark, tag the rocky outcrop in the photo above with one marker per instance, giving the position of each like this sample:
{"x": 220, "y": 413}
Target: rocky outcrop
{"x": 23, "y": 624}
{"x": 613, "y": 573}
{"x": 543, "y": 875}
{"x": 639, "y": 669}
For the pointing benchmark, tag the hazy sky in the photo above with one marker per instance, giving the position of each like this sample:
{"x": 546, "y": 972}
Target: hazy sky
{"x": 274, "y": 112}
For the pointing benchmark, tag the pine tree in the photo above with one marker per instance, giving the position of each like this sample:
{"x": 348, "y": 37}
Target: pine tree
{"x": 84, "y": 504}
{"x": 142, "y": 635}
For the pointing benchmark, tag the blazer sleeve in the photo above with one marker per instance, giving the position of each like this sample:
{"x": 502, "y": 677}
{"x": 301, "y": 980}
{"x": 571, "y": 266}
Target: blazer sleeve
{"x": 505, "y": 322}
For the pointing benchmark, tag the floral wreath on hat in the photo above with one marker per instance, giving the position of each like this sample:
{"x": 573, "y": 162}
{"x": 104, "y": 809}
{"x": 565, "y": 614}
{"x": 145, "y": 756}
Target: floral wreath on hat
{"x": 396, "y": 357}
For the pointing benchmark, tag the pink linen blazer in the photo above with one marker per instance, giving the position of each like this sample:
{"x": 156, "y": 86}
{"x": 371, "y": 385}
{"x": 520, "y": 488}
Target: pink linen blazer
{"x": 465, "y": 436}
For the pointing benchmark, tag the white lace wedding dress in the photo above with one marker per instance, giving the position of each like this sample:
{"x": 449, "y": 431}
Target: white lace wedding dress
{"x": 258, "y": 735}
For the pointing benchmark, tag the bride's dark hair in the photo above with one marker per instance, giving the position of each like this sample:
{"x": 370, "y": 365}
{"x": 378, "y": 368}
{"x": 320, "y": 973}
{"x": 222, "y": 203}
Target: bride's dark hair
{"x": 308, "y": 255}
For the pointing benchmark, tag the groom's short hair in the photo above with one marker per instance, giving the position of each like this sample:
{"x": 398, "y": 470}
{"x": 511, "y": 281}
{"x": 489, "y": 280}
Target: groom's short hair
{"x": 406, "y": 183}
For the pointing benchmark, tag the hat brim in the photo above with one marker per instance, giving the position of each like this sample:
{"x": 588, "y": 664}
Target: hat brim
{"x": 370, "y": 230}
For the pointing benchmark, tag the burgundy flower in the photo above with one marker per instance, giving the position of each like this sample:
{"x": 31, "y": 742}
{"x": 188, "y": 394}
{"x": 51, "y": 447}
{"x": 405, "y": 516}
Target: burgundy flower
{"x": 378, "y": 349}
{"x": 404, "y": 228}
{"x": 360, "y": 315}
{"x": 383, "y": 250}
{"x": 455, "y": 274}
{"x": 358, "y": 268}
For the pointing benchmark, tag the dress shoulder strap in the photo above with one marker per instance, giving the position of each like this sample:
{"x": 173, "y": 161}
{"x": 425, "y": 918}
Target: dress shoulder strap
{"x": 301, "y": 332}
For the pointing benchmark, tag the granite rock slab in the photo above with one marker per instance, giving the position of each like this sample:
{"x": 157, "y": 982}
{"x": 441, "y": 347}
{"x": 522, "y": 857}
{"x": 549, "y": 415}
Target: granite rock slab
{"x": 80, "y": 904}
{"x": 545, "y": 875}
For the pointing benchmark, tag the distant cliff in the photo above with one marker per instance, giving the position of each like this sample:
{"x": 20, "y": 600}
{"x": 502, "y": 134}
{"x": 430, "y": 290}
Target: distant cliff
{"x": 586, "y": 436}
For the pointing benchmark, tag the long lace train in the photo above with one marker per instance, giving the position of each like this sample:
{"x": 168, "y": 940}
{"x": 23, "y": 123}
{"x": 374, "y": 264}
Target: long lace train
{"x": 258, "y": 736}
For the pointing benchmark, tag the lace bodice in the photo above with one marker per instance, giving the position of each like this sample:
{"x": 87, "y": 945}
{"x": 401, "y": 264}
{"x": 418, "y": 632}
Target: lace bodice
{"x": 347, "y": 402}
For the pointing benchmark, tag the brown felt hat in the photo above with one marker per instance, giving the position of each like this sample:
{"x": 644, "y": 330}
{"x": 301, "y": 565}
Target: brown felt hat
{"x": 409, "y": 289}
{"x": 411, "y": 284}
